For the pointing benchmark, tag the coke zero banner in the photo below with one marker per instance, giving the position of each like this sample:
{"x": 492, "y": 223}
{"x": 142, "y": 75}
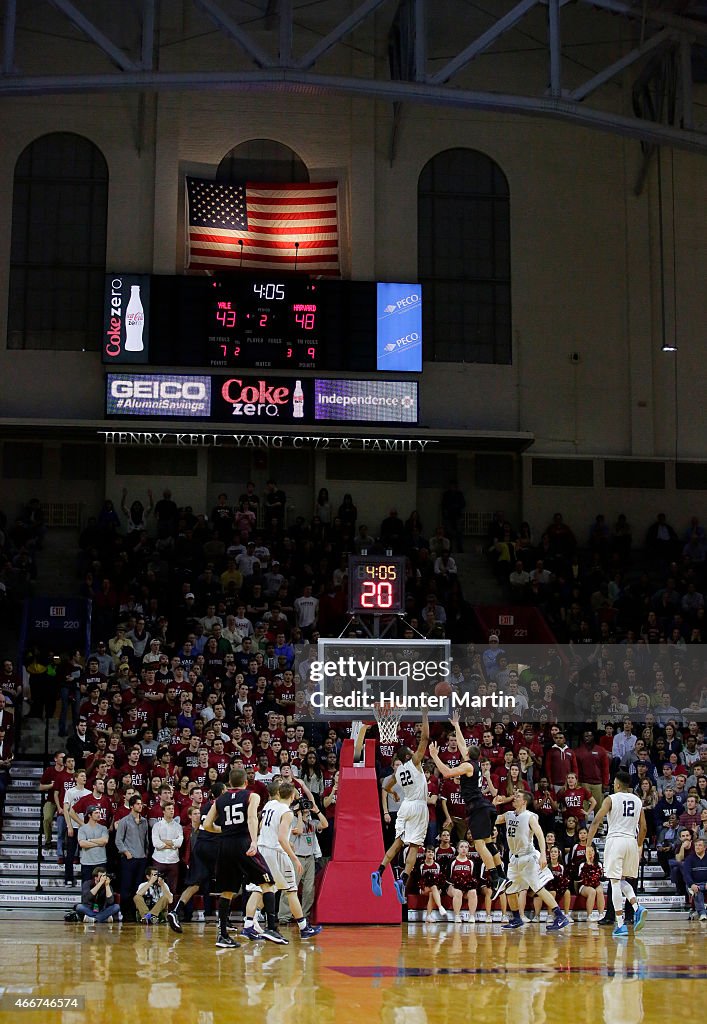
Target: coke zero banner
{"x": 126, "y": 316}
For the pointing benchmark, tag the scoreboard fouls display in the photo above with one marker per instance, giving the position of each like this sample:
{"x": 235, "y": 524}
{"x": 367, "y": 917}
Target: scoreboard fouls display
{"x": 270, "y": 324}
{"x": 376, "y": 585}
{"x": 245, "y": 321}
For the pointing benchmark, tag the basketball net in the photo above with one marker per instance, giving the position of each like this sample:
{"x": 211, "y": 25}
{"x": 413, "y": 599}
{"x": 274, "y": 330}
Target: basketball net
{"x": 388, "y": 720}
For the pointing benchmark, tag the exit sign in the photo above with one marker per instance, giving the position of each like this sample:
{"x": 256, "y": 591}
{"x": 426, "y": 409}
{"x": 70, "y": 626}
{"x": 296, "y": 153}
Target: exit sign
{"x": 505, "y": 620}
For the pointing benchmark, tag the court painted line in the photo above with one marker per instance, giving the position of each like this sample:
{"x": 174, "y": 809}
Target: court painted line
{"x": 695, "y": 972}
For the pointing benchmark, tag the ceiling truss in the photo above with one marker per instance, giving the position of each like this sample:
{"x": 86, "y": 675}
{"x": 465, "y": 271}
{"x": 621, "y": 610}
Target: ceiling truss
{"x": 664, "y": 36}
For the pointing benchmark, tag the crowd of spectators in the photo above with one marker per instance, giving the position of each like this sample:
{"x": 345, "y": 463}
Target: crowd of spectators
{"x": 193, "y": 670}
{"x": 19, "y": 543}
{"x": 603, "y": 590}
{"x": 195, "y": 621}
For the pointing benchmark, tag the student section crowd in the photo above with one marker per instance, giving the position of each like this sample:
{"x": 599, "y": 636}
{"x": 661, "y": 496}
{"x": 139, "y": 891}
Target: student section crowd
{"x": 193, "y": 669}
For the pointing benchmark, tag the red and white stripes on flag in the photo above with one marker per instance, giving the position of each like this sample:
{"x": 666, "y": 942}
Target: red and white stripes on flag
{"x": 282, "y": 226}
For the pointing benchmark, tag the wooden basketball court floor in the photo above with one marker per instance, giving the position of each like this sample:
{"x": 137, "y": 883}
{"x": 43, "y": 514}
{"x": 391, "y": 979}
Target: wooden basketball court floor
{"x": 415, "y": 974}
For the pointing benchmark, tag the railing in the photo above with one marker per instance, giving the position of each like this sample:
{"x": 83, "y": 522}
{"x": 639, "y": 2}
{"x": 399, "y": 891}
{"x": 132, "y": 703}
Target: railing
{"x": 45, "y": 796}
{"x": 476, "y": 524}
{"x": 61, "y": 513}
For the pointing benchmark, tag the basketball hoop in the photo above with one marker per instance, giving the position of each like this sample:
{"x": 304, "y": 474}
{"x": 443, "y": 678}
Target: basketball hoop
{"x": 388, "y": 720}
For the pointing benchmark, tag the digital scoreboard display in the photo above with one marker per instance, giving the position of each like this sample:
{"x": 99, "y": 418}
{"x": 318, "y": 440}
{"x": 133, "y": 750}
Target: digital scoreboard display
{"x": 376, "y": 585}
{"x": 265, "y": 324}
{"x": 244, "y": 322}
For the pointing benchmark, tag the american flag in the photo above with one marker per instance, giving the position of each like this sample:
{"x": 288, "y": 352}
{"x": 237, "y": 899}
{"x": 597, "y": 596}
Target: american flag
{"x": 269, "y": 219}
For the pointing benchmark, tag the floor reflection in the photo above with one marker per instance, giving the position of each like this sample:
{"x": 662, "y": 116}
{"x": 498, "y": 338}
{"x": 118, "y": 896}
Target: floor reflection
{"x": 415, "y": 975}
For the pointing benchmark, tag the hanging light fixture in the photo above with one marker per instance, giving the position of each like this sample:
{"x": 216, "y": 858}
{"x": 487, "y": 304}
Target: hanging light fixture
{"x": 669, "y": 344}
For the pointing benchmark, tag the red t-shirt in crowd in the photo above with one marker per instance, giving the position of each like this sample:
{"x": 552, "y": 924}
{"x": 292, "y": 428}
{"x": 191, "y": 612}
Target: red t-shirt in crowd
{"x": 450, "y": 791}
{"x": 104, "y": 802}
{"x": 571, "y": 802}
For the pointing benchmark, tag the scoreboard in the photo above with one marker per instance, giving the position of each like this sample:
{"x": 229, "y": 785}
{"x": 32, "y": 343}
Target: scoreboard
{"x": 240, "y": 321}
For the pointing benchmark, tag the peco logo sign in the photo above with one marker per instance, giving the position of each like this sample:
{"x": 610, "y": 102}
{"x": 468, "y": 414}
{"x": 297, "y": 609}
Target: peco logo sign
{"x": 409, "y": 339}
{"x": 403, "y": 303}
{"x": 399, "y": 335}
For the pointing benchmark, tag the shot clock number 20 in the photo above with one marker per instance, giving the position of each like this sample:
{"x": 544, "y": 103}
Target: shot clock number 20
{"x": 376, "y": 585}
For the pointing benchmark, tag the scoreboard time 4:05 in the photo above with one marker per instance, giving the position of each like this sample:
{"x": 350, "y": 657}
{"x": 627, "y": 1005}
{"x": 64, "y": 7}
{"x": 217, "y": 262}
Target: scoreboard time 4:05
{"x": 265, "y": 324}
{"x": 376, "y": 585}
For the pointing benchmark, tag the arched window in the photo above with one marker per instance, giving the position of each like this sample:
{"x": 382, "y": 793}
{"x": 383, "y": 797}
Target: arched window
{"x": 58, "y": 249}
{"x": 262, "y": 160}
{"x": 464, "y": 261}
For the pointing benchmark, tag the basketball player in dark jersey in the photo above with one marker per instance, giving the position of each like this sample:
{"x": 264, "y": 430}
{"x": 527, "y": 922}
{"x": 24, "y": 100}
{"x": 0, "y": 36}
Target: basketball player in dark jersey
{"x": 236, "y": 811}
{"x": 202, "y": 863}
{"x": 481, "y": 815}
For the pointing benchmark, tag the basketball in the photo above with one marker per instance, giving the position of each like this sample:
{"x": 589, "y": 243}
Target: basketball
{"x": 443, "y": 690}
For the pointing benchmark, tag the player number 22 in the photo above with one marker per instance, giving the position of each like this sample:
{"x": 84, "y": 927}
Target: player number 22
{"x": 234, "y": 815}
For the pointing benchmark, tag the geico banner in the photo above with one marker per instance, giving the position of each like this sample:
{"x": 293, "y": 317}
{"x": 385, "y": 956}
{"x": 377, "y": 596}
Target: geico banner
{"x": 261, "y": 399}
{"x": 158, "y": 394}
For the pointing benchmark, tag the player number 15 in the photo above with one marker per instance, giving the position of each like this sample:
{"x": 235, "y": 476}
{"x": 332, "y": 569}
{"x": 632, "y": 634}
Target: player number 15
{"x": 233, "y": 816}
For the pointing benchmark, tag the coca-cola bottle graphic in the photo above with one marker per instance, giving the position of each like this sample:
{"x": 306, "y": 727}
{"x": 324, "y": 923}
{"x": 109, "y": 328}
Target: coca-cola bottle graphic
{"x": 298, "y": 401}
{"x": 134, "y": 321}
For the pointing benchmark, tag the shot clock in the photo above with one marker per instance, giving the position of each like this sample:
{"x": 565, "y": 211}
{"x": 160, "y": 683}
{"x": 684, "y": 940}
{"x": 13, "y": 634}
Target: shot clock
{"x": 376, "y": 585}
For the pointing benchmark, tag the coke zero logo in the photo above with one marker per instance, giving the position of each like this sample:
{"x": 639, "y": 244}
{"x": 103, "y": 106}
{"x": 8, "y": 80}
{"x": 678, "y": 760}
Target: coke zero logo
{"x": 254, "y": 399}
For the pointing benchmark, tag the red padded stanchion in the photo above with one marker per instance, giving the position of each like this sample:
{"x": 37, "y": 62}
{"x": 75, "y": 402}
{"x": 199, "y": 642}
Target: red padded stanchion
{"x": 345, "y": 895}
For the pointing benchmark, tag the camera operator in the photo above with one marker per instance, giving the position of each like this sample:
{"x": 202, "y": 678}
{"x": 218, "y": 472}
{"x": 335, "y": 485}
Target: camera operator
{"x": 97, "y": 899}
{"x": 152, "y": 897}
{"x": 303, "y": 838}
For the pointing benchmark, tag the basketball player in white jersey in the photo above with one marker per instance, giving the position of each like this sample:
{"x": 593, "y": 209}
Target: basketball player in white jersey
{"x": 413, "y": 817}
{"x": 276, "y": 850}
{"x": 527, "y": 867}
{"x": 627, "y": 830}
